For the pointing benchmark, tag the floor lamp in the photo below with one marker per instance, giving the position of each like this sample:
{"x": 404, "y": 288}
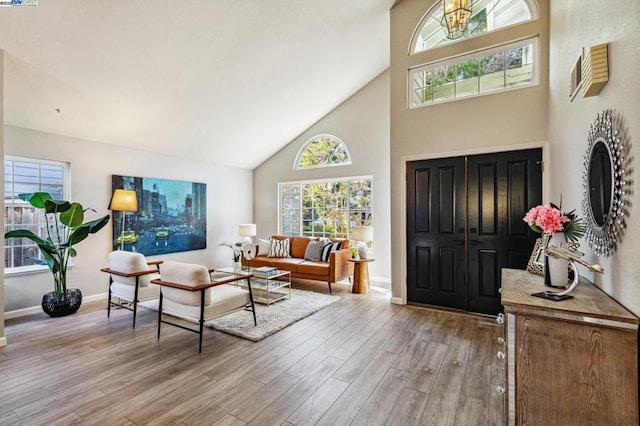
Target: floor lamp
{"x": 123, "y": 200}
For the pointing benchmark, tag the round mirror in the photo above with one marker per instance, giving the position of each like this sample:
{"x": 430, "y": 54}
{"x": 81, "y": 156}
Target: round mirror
{"x": 606, "y": 184}
{"x": 600, "y": 182}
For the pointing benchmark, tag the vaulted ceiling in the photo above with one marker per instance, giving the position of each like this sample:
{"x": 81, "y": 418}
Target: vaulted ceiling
{"x": 225, "y": 81}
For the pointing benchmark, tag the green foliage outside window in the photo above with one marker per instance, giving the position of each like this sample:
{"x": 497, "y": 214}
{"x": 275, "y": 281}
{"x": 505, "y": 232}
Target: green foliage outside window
{"x": 323, "y": 151}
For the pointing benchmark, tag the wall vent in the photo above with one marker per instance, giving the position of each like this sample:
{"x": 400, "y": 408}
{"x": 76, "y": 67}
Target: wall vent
{"x": 595, "y": 70}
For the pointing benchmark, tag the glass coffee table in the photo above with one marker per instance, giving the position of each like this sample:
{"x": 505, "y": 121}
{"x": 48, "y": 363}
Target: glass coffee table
{"x": 267, "y": 288}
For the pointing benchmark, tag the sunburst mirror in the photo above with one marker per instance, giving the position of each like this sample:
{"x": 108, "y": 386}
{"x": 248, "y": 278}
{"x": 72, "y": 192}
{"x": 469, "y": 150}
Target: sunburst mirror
{"x": 605, "y": 183}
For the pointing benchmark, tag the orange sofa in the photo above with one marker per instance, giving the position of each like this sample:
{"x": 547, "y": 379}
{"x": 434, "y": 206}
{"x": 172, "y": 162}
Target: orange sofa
{"x": 337, "y": 269}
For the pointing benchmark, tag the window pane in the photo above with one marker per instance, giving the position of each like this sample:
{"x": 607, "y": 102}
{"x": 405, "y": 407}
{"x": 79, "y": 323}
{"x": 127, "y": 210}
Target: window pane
{"x": 25, "y": 177}
{"x": 485, "y": 73}
{"x": 519, "y": 66}
{"x": 331, "y": 208}
{"x": 492, "y": 72}
{"x": 467, "y": 78}
{"x": 487, "y": 16}
{"x": 444, "y": 83}
{"x": 323, "y": 151}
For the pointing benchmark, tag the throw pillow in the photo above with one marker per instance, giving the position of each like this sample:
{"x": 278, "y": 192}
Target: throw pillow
{"x": 328, "y": 248}
{"x": 314, "y": 251}
{"x": 263, "y": 247}
{"x": 279, "y": 248}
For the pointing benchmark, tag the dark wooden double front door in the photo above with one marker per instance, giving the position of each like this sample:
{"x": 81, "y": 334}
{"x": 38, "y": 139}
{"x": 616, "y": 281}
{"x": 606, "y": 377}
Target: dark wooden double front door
{"x": 464, "y": 224}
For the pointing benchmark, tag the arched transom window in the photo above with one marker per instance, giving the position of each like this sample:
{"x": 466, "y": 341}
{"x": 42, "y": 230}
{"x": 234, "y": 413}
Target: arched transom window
{"x": 487, "y": 16}
{"x": 322, "y": 151}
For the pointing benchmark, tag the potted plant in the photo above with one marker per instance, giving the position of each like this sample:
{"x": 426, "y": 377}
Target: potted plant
{"x": 65, "y": 228}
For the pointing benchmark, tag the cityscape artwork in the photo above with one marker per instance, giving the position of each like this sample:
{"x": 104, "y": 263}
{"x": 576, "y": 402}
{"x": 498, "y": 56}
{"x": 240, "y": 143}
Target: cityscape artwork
{"x": 171, "y": 216}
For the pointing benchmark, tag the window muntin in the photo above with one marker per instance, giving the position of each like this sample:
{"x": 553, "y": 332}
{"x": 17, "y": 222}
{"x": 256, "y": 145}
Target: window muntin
{"x": 489, "y": 71}
{"x": 322, "y": 151}
{"x": 326, "y": 208}
{"x": 25, "y": 175}
{"x": 488, "y": 15}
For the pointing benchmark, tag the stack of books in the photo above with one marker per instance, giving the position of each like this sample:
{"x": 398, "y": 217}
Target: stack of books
{"x": 266, "y": 270}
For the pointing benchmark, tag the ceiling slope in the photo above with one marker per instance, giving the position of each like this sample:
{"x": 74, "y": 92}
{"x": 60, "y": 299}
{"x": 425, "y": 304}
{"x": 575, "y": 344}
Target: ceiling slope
{"x": 225, "y": 81}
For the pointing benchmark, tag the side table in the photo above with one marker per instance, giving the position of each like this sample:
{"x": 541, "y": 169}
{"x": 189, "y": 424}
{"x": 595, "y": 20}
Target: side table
{"x": 360, "y": 275}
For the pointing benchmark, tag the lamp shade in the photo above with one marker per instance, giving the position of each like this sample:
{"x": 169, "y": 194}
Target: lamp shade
{"x": 247, "y": 230}
{"x": 124, "y": 200}
{"x": 362, "y": 233}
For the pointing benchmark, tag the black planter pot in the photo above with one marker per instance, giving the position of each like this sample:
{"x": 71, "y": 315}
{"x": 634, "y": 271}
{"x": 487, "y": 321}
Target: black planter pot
{"x": 55, "y": 307}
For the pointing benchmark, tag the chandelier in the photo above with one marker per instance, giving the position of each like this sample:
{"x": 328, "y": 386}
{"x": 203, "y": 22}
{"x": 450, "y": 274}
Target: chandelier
{"x": 456, "y": 15}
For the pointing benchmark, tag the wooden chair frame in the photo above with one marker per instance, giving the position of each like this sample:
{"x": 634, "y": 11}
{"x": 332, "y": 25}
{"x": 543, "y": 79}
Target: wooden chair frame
{"x": 137, "y": 276}
{"x": 201, "y": 288}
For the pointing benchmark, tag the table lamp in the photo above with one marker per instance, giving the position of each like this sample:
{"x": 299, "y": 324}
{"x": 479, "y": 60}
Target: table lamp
{"x": 123, "y": 200}
{"x": 247, "y": 230}
{"x": 362, "y": 235}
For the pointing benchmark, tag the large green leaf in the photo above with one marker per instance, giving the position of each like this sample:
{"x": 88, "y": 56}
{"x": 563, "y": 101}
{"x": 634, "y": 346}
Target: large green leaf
{"x": 24, "y": 233}
{"x": 49, "y": 251}
{"x": 77, "y": 235}
{"x": 36, "y": 199}
{"x": 52, "y": 262}
{"x": 56, "y": 206}
{"x": 97, "y": 224}
{"x": 74, "y": 216}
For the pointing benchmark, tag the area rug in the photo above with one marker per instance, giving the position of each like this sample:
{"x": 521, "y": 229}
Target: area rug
{"x": 271, "y": 319}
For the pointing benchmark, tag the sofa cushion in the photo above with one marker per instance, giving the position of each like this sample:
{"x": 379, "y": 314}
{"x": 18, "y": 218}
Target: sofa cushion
{"x": 327, "y": 249}
{"x": 279, "y": 248}
{"x": 187, "y": 274}
{"x": 314, "y": 268}
{"x": 314, "y": 250}
{"x": 299, "y": 246}
{"x": 128, "y": 262}
{"x": 263, "y": 247}
{"x": 285, "y": 263}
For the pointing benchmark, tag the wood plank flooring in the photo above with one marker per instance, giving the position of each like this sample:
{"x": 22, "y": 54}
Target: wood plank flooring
{"x": 360, "y": 361}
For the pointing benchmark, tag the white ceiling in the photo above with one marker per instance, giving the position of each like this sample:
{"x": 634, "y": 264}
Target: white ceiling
{"x": 225, "y": 81}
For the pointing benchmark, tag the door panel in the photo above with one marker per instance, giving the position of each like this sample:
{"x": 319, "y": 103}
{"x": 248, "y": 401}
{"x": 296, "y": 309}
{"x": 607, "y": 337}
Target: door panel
{"x": 464, "y": 224}
{"x": 436, "y": 232}
{"x": 502, "y": 188}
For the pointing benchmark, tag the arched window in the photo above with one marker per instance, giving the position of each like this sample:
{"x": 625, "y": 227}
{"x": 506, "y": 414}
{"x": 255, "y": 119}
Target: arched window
{"x": 488, "y": 15}
{"x": 322, "y": 151}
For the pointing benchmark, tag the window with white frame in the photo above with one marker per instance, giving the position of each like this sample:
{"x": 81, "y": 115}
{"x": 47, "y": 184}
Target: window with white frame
{"x": 26, "y": 175}
{"x": 322, "y": 151}
{"x": 325, "y": 208}
{"x": 487, "y": 16}
{"x": 491, "y": 70}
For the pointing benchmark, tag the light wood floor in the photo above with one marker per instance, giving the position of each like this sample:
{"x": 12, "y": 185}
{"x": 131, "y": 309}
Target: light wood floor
{"x": 360, "y": 361}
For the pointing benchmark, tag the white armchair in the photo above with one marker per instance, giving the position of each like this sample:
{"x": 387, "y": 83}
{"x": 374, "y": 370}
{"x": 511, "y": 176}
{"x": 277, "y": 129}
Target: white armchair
{"x": 189, "y": 292}
{"x": 130, "y": 278}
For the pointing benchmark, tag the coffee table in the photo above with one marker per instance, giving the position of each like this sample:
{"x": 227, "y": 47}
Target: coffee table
{"x": 267, "y": 289}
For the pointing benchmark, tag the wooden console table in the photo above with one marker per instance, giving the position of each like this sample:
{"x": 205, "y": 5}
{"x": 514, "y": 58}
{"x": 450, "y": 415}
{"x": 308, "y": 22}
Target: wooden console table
{"x": 573, "y": 362}
{"x": 360, "y": 275}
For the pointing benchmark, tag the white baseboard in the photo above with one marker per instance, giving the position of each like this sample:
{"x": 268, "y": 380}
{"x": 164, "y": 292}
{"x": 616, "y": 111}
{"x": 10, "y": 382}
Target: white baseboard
{"x": 397, "y": 301}
{"x": 38, "y": 309}
{"x": 3, "y": 341}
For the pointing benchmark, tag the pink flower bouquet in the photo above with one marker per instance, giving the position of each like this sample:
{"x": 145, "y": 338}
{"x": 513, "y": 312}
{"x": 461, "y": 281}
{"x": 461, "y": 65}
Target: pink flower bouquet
{"x": 547, "y": 219}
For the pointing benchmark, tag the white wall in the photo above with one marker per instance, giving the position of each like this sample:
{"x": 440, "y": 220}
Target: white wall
{"x": 481, "y": 124}
{"x": 575, "y": 25}
{"x": 3, "y": 339}
{"x": 229, "y": 203}
{"x": 362, "y": 122}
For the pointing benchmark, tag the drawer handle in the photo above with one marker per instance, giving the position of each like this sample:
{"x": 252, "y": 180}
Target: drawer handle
{"x": 500, "y": 340}
{"x": 500, "y": 355}
{"x": 500, "y": 319}
{"x": 500, "y": 390}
